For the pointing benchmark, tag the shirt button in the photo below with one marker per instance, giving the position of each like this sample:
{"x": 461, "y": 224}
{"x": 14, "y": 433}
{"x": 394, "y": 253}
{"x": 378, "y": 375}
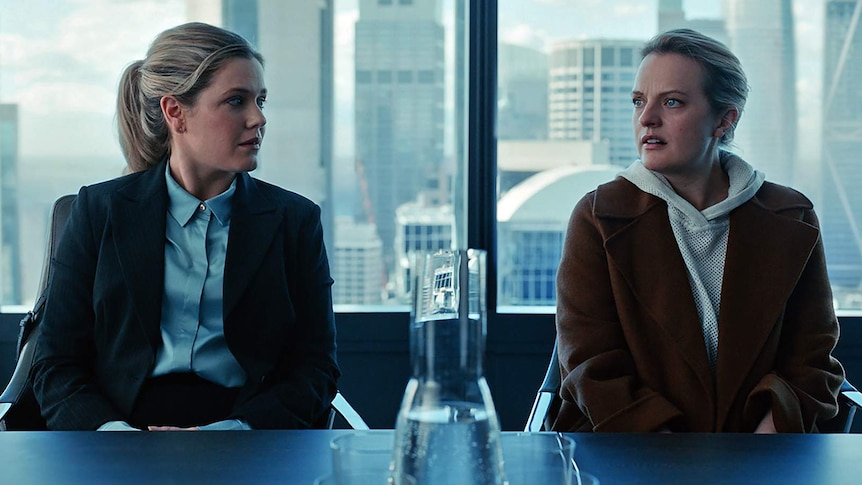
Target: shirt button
{"x": 202, "y": 207}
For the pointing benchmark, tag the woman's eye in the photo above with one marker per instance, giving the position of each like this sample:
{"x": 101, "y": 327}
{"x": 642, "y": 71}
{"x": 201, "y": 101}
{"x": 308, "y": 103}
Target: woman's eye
{"x": 261, "y": 101}
{"x": 672, "y": 102}
{"x": 637, "y": 102}
{"x": 235, "y": 101}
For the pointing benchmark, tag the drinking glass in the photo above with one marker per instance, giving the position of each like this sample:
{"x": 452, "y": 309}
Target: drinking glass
{"x": 544, "y": 458}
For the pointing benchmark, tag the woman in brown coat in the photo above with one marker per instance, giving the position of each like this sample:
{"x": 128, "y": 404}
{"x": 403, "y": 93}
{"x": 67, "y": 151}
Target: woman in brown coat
{"x": 692, "y": 294}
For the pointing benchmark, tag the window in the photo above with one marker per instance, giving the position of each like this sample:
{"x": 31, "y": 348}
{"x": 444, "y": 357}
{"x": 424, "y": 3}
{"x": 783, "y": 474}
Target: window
{"x": 801, "y": 127}
{"x": 369, "y": 109}
{"x": 361, "y": 119}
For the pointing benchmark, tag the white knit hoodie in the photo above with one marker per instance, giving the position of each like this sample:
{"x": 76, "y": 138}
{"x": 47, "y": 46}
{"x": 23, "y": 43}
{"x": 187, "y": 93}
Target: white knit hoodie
{"x": 702, "y": 235}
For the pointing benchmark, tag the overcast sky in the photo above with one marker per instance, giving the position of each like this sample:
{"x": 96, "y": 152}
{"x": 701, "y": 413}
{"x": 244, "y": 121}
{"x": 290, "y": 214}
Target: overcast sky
{"x": 60, "y": 60}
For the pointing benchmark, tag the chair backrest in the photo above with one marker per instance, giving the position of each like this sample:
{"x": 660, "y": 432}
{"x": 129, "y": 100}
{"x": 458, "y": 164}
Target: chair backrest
{"x": 18, "y": 407}
{"x": 547, "y": 397}
{"x": 547, "y": 403}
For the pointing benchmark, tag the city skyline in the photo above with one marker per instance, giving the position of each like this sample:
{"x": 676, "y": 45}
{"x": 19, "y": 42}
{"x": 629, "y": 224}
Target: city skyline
{"x": 84, "y": 122}
{"x": 64, "y": 80}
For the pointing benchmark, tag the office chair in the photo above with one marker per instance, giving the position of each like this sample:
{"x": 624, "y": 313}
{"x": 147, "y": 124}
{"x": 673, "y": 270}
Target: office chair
{"x": 18, "y": 407}
{"x": 547, "y": 403}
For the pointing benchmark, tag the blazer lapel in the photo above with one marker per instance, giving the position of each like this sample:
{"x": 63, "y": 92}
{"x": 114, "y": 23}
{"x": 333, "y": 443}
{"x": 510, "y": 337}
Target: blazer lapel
{"x": 647, "y": 256}
{"x": 138, "y": 217}
{"x": 766, "y": 253}
{"x": 255, "y": 221}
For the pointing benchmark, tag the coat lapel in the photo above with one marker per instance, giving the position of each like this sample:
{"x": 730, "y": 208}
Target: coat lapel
{"x": 647, "y": 256}
{"x": 255, "y": 221}
{"x": 138, "y": 217}
{"x": 753, "y": 299}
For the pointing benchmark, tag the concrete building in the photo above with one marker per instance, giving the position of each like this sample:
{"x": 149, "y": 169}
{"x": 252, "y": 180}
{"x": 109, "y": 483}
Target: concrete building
{"x": 357, "y": 263}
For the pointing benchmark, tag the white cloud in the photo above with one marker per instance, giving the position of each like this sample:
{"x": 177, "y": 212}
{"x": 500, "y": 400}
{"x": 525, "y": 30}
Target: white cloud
{"x": 67, "y": 98}
{"x": 526, "y": 35}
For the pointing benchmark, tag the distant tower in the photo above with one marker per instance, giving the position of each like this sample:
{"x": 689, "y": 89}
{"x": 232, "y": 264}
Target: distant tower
{"x": 841, "y": 212}
{"x": 522, "y": 78}
{"x": 399, "y": 83}
{"x": 590, "y": 94}
{"x": 761, "y": 35}
{"x": 357, "y": 263}
{"x": 10, "y": 247}
{"x": 670, "y": 15}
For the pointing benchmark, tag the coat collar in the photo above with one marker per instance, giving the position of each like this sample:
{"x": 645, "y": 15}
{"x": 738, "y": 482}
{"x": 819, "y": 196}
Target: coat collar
{"x": 768, "y": 247}
{"x": 138, "y": 220}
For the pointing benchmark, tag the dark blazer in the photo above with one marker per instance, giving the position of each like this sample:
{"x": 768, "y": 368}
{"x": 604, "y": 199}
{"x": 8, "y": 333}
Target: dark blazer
{"x": 101, "y": 327}
{"x": 630, "y": 340}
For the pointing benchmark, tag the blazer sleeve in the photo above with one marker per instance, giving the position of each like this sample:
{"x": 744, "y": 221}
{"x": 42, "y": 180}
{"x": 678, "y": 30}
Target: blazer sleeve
{"x": 63, "y": 375}
{"x": 600, "y": 388}
{"x": 807, "y": 378}
{"x": 298, "y": 392}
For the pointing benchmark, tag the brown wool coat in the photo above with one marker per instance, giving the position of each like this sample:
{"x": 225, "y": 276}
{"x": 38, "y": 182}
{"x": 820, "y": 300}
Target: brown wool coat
{"x": 630, "y": 340}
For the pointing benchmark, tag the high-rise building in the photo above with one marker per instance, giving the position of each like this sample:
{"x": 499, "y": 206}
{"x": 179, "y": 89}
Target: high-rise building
{"x": 761, "y": 35}
{"x": 522, "y": 108}
{"x": 841, "y": 207}
{"x": 590, "y": 93}
{"x": 357, "y": 263}
{"x": 672, "y": 16}
{"x": 10, "y": 247}
{"x": 296, "y": 41}
{"x": 399, "y": 102}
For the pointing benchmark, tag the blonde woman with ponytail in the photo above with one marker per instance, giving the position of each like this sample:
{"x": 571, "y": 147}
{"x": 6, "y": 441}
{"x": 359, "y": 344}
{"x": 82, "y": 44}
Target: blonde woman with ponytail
{"x": 188, "y": 295}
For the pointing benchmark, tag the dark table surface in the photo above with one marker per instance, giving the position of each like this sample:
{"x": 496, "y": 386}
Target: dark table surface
{"x": 298, "y": 457}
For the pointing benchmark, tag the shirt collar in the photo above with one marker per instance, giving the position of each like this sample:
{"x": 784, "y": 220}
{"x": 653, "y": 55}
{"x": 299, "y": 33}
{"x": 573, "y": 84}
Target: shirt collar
{"x": 183, "y": 205}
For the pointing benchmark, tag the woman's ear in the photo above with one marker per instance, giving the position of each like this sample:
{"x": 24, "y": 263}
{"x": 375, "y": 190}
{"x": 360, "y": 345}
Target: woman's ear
{"x": 172, "y": 110}
{"x": 726, "y": 122}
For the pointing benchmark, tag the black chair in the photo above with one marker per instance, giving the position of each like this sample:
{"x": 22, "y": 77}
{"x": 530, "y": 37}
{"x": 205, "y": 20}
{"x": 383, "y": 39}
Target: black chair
{"x": 18, "y": 407}
{"x": 547, "y": 403}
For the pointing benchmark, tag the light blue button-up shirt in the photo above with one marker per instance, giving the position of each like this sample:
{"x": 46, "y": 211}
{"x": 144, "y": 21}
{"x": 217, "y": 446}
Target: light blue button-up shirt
{"x": 192, "y": 322}
{"x": 192, "y": 312}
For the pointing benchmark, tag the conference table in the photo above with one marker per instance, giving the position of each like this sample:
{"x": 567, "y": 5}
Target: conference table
{"x": 298, "y": 457}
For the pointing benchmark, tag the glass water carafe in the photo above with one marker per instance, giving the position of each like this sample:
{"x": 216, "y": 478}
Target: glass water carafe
{"x": 447, "y": 430}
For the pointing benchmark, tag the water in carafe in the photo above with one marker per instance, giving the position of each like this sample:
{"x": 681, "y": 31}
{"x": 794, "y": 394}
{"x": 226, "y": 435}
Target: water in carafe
{"x": 447, "y": 430}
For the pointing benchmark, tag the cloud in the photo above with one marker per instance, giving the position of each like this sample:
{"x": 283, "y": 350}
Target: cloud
{"x": 66, "y": 67}
{"x": 526, "y": 35}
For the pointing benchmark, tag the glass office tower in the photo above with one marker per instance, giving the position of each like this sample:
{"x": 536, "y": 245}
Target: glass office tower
{"x": 767, "y": 133}
{"x": 841, "y": 213}
{"x": 399, "y": 117}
